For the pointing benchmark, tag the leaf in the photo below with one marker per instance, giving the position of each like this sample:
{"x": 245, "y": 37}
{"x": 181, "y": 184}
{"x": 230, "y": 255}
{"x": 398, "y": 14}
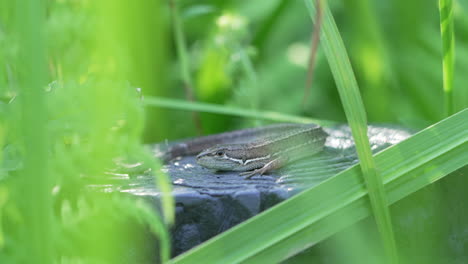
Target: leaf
{"x": 348, "y": 89}
{"x": 228, "y": 110}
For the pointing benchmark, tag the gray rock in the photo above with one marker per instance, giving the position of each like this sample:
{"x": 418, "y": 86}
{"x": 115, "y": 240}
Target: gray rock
{"x": 208, "y": 203}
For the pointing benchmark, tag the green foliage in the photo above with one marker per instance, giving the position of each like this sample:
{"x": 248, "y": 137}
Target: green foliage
{"x": 63, "y": 128}
{"x": 385, "y": 53}
{"x": 385, "y": 101}
{"x": 83, "y": 142}
{"x": 69, "y": 108}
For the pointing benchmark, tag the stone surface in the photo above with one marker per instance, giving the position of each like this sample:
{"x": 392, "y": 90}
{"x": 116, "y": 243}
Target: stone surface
{"x": 208, "y": 203}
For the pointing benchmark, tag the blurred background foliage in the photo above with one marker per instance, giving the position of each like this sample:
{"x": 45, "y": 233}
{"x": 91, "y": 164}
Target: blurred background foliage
{"x": 394, "y": 46}
{"x": 251, "y": 55}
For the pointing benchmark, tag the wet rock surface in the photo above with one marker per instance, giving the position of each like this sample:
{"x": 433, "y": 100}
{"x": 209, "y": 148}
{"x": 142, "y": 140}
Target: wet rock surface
{"x": 208, "y": 203}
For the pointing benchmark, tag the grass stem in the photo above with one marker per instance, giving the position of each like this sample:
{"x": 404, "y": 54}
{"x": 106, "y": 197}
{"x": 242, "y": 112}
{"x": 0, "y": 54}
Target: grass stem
{"x": 448, "y": 53}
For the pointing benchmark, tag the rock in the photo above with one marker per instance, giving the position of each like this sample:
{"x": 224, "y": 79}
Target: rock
{"x": 208, "y": 203}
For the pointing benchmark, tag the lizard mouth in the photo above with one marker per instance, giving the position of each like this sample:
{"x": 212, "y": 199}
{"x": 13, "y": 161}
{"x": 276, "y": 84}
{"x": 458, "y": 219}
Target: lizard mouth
{"x": 204, "y": 160}
{"x": 202, "y": 154}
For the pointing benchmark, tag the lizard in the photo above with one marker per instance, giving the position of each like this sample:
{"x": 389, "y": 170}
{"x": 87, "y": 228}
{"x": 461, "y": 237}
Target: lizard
{"x": 253, "y": 151}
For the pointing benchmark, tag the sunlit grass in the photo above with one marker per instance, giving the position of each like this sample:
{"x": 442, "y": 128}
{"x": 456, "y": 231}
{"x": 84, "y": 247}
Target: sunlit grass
{"x": 354, "y": 108}
{"x": 448, "y": 53}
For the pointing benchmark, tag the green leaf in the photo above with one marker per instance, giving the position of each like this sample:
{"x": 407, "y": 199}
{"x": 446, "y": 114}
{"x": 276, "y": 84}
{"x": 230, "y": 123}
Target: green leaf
{"x": 288, "y": 228}
{"x": 348, "y": 89}
{"x": 228, "y": 110}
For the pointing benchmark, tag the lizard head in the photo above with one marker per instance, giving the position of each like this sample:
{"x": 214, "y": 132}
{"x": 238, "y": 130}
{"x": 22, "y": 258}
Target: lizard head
{"x": 217, "y": 158}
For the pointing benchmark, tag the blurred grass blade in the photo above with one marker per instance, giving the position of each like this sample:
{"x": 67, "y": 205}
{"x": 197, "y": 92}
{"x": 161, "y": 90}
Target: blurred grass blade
{"x": 354, "y": 109}
{"x": 36, "y": 181}
{"x": 448, "y": 52}
{"x": 180, "y": 44}
{"x": 184, "y": 60}
{"x": 226, "y": 110}
{"x": 287, "y": 228}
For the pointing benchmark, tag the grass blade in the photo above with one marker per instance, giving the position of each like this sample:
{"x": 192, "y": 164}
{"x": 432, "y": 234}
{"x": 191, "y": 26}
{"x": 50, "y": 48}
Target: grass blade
{"x": 36, "y": 181}
{"x": 448, "y": 52}
{"x": 287, "y": 228}
{"x": 182, "y": 52}
{"x": 354, "y": 109}
{"x": 184, "y": 60}
{"x": 227, "y": 110}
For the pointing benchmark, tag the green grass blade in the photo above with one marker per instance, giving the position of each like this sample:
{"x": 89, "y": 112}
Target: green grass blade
{"x": 354, "y": 109}
{"x": 36, "y": 182}
{"x": 183, "y": 56}
{"x": 448, "y": 52}
{"x": 287, "y": 228}
{"x": 359, "y": 209}
{"x": 180, "y": 44}
{"x": 227, "y": 110}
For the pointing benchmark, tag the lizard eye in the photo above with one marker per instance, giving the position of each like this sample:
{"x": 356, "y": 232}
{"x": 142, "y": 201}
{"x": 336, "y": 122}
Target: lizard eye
{"x": 219, "y": 153}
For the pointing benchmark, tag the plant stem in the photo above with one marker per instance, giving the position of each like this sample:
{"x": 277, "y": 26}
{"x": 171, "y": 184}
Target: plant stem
{"x": 448, "y": 53}
{"x": 313, "y": 50}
